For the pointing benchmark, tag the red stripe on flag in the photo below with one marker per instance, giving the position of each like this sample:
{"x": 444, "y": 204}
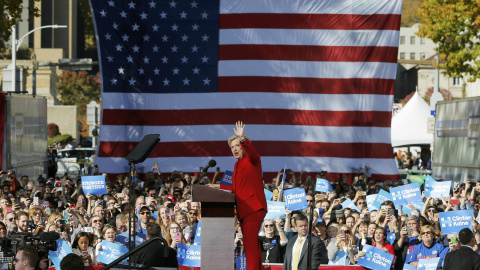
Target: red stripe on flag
{"x": 308, "y": 53}
{"x": 306, "y": 85}
{"x": 264, "y": 148}
{"x": 251, "y": 116}
{"x": 311, "y": 21}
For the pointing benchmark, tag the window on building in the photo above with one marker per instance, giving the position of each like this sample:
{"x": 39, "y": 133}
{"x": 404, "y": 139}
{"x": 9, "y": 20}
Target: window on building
{"x": 457, "y": 81}
{"x": 423, "y": 56}
{"x": 402, "y": 55}
{"x": 412, "y": 40}
{"x": 422, "y": 41}
{"x": 412, "y": 56}
{"x": 402, "y": 40}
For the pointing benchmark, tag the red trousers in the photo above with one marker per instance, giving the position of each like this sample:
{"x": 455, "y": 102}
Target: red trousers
{"x": 250, "y": 227}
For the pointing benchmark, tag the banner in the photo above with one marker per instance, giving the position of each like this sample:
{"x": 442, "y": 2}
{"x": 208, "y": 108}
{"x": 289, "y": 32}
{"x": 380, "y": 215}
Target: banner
{"x": 370, "y": 199}
{"x": 375, "y": 258}
{"x": 268, "y": 194}
{"x": 110, "y": 252}
{"x": 382, "y": 196}
{"x": 323, "y": 185}
{"x": 198, "y": 234}
{"x": 417, "y": 205}
{"x": 94, "y": 185}
{"x": 241, "y": 262}
{"x": 454, "y": 221}
{"x": 122, "y": 238}
{"x": 226, "y": 179}
{"x": 63, "y": 249}
{"x": 340, "y": 259}
{"x": 429, "y": 182}
{"x": 416, "y": 179}
{"x": 407, "y": 193}
{"x": 295, "y": 199}
{"x": 441, "y": 189}
{"x": 188, "y": 256}
{"x": 428, "y": 264}
{"x": 348, "y": 203}
{"x": 275, "y": 209}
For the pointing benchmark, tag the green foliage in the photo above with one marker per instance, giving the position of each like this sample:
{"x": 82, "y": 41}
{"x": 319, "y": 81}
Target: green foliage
{"x": 78, "y": 88}
{"x": 454, "y": 26}
{"x": 11, "y": 11}
{"x": 62, "y": 139}
{"x": 409, "y": 12}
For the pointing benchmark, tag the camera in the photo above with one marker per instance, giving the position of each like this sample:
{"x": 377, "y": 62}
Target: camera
{"x": 43, "y": 242}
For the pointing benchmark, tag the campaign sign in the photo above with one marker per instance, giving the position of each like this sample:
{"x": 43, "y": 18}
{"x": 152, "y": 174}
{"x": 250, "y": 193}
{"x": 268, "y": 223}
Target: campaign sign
{"x": 408, "y": 266}
{"x": 241, "y": 262}
{"x": 370, "y": 200}
{"x": 428, "y": 264}
{"x": 110, "y": 252}
{"x": 375, "y": 258}
{"x": 455, "y": 221}
{"x": 429, "y": 182}
{"x": 416, "y": 205}
{"x": 391, "y": 237}
{"x": 63, "y": 249}
{"x": 94, "y": 185}
{"x": 382, "y": 196}
{"x": 323, "y": 185}
{"x": 348, "y": 203}
{"x": 275, "y": 209}
{"x": 407, "y": 193}
{"x": 227, "y": 179}
{"x": 295, "y": 199}
{"x": 268, "y": 194}
{"x": 441, "y": 189}
{"x": 122, "y": 238}
{"x": 198, "y": 234}
{"x": 188, "y": 256}
{"x": 340, "y": 259}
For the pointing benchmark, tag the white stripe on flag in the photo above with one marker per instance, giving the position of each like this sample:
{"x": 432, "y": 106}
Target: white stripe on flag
{"x": 262, "y": 100}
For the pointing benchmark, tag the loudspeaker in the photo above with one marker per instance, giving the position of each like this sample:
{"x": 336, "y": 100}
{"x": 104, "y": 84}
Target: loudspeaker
{"x": 143, "y": 149}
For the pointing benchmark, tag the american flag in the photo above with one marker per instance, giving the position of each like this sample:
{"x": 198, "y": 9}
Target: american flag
{"x": 313, "y": 80}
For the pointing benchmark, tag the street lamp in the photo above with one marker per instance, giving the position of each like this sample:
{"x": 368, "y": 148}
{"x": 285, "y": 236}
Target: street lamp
{"x": 16, "y": 44}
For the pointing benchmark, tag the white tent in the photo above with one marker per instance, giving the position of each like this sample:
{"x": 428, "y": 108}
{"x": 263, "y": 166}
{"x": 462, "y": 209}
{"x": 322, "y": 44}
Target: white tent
{"x": 409, "y": 126}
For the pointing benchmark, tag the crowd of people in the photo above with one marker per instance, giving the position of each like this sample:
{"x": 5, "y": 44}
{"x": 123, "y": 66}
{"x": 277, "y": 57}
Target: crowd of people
{"x": 163, "y": 207}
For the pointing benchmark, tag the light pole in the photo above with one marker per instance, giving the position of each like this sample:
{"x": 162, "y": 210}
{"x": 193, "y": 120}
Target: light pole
{"x": 16, "y": 44}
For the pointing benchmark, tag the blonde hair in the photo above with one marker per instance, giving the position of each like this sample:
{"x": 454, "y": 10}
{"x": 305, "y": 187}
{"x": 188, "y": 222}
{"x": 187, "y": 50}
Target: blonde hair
{"x": 235, "y": 137}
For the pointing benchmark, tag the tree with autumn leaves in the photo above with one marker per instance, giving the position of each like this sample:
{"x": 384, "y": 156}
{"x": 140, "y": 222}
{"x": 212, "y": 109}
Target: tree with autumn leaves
{"x": 454, "y": 25}
{"x": 79, "y": 88}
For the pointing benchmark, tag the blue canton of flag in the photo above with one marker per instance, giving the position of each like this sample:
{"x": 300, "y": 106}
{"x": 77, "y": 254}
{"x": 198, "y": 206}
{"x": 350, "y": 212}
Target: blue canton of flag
{"x": 167, "y": 46}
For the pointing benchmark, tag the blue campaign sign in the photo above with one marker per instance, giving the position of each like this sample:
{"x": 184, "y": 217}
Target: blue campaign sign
{"x": 62, "y": 250}
{"x": 375, "y": 258}
{"x": 241, "y": 262}
{"x": 348, "y": 203}
{"x": 110, "y": 252}
{"x": 275, "y": 209}
{"x": 268, "y": 194}
{"x": 407, "y": 193}
{"x": 441, "y": 189}
{"x": 94, "y": 185}
{"x": 323, "y": 185}
{"x": 429, "y": 182}
{"x": 198, "y": 234}
{"x": 381, "y": 197}
{"x": 454, "y": 221}
{"x": 417, "y": 205}
{"x": 188, "y": 256}
{"x": 409, "y": 267}
{"x": 370, "y": 200}
{"x": 227, "y": 179}
{"x": 391, "y": 237}
{"x": 295, "y": 199}
{"x": 122, "y": 238}
{"x": 340, "y": 259}
{"x": 428, "y": 264}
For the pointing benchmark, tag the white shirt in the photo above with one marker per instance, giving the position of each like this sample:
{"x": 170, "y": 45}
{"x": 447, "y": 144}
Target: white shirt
{"x": 295, "y": 246}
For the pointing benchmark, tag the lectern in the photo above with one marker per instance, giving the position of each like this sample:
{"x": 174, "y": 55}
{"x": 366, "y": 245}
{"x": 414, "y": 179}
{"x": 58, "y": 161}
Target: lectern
{"x": 218, "y": 227}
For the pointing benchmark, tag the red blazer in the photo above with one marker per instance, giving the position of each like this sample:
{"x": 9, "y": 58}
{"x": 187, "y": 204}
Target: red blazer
{"x": 248, "y": 183}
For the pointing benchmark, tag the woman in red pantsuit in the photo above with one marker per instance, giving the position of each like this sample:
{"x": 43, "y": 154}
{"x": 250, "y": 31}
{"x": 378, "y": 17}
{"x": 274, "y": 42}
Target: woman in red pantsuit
{"x": 249, "y": 195}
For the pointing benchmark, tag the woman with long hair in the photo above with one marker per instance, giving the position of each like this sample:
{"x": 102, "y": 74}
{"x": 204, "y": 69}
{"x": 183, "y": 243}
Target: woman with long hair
{"x": 175, "y": 235}
{"x": 344, "y": 241}
{"x": 274, "y": 241}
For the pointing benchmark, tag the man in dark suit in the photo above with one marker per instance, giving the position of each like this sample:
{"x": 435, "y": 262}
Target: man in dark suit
{"x": 463, "y": 258}
{"x": 296, "y": 252}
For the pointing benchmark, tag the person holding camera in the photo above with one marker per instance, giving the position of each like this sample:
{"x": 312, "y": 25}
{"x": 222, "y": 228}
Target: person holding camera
{"x": 343, "y": 242}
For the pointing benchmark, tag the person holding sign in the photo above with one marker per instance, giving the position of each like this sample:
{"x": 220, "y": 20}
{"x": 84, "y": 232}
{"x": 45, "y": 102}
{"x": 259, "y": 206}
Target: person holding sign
{"x": 428, "y": 248}
{"x": 343, "y": 242}
{"x": 249, "y": 195}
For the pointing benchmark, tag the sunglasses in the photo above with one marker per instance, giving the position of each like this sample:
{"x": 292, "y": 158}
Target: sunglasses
{"x": 431, "y": 210}
{"x": 145, "y": 213}
{"x": 96, "y": 220}
{"x": 192, "y": 213}
{"x": 426, "y": 232}
{"x": 361, "y": 203}
{"x": 11, "y": 219}
{"x": 449, "y": 239}
{"x": 37, "y": 214}
{"x": 268, "y": 225}
{"x": 310, "y": 200}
